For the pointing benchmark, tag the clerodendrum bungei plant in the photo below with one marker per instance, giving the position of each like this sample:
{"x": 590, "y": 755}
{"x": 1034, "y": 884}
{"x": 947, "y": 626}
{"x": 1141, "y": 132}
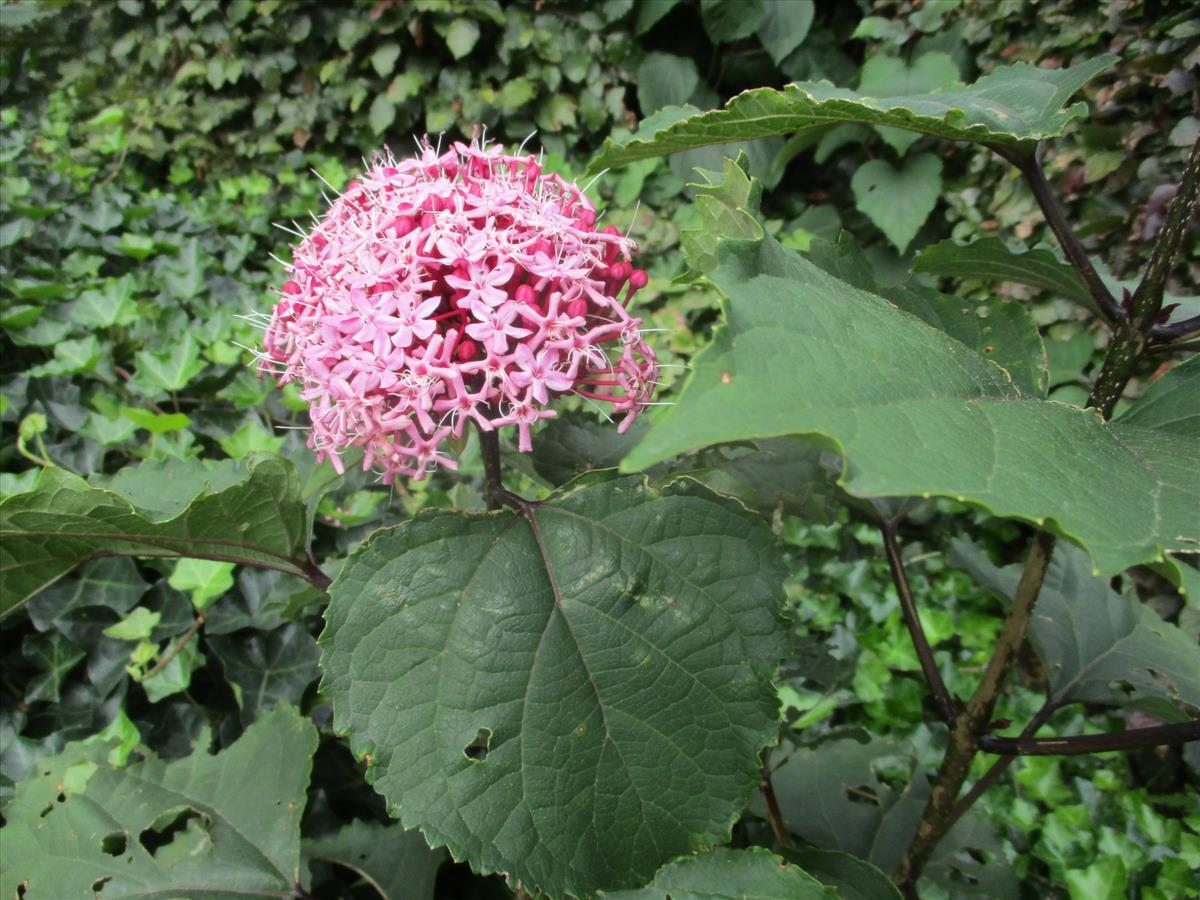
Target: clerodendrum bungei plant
{"x": 581, "y": 691}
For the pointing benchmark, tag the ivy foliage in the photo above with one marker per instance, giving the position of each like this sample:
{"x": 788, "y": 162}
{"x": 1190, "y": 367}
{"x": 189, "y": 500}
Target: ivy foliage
{"x": 167, "y": 534}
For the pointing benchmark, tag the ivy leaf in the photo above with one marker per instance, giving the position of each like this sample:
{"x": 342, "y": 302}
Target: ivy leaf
{"x": 1169, "y": 404}
{"x": 785, "y": 26}
{"x": 884, "y": 76}
{"x": 246, "y": 511}
{"x": 991, "y": 258}
{"x": 1097, "y": 646}
{"x": 268, "y": 667}
{"x": 1015, "y": 106}
{"x": 751, "y": 873}
{"x": 915, "y": 413}
{"x": 204, "y": 579}
{"x": 396, "y": 863}
{"x": 898, "y": 202}
{"x": 169, "y": 370}
{"x": 519, "y": 693}
{"x": 54, "y": 657}
{"x": 214, "y": 826}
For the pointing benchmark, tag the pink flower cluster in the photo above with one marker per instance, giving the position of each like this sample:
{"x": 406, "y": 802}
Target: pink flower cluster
{"x": 455, "y": 287}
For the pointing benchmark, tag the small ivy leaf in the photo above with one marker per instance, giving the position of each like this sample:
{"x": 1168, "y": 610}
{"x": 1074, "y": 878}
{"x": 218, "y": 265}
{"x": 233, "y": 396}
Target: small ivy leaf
{"x": 625, "y": 646}
{"x": 269, "y": 667}
{"x": 898, "y": 201}
{"x": 223, "y": 825}
{"x": 884, "y": 76}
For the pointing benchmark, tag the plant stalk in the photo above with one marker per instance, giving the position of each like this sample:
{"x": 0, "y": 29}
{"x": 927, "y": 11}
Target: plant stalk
{"x": 973, "y": 720}
{"x": 1078, "y": 744}
{"x": 1134, "y": 335}
{"x": 908, "y": 606}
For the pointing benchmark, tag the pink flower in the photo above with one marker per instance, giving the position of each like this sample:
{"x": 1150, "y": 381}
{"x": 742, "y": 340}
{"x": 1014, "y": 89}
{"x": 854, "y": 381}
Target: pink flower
{"x": 455, "y": 287}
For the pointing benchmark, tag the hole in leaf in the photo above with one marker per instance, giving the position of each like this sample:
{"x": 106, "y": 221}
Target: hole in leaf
{"x": 478, "y": 749}
{"x": 21, "y": 890}
{"x": 99, "y": 883}
{"x": 166, "y": 827}
{"x": 114, "y": 844}
{"x": 45, "y": 812}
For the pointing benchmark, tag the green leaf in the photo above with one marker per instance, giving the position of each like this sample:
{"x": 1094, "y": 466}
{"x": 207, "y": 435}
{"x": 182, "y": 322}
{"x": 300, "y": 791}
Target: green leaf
{"x": 248, "y": 511}
{"x": 854, "y": 878}
{"x": 54, "y": 657}
{"x": 898, "y": 202}
{"x": 156, "y": 423}
{"x": 176, "y": 676}
{"x": 915, "y": 413}
{"x": 664, "y": 79}
{"x": 1010, "y": 107}
{"x": 785, "y": 26}
{"x": 725, "y": 873}
{"x": 999, "y": 330}
{"x": 726, "y": 207}
{"x": 250, "y": 438}
{"x": 383, "y": 60}
{"x": 396, "y": 863}
{"x": 382, "y": 114}
{"x": 461, "y": 37}
{"x": 229, "y": 824}
{"x": 780, "y": 475}
{"x": 139, "y": 246}
{"x": 575, "y": 442}
{"x": 204, "y": 579}
{"x": 1169, "y": 404}
{"x": 730, "y": 20}
{"x": 650, "y": 11}
{"x": 623, "y": 647}
{"x": 268, "y": 667}
{"x": 992, "y": 259}
{"x": 832, "y": 796}
{"x": 137, "y": 626}
{"x": 1096, "y": 646}
{"x": 168, "y": 370}
{"x": 884, "y": 76}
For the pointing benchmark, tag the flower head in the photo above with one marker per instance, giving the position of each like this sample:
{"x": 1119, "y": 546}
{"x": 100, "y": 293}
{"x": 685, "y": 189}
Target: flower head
{"x": 469, "y": 285}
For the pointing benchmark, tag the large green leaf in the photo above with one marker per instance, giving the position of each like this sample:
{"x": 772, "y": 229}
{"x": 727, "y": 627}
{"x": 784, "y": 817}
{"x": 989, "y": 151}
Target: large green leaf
{"x": 247, "y": 511}
{"x": 1170, "y": 404}
{"x": 750, "y": 874}
{"x": 915, "y": 413}
{"x": 1009, "y": 107}
{"x": 854, "y": 878}
{"x": 571, "y": 705}
{"x": 398, "y": 864}
{"x": 203, "y": 826}
{"x": 1000, "y": 330}
{"x": 1097, "y": 646}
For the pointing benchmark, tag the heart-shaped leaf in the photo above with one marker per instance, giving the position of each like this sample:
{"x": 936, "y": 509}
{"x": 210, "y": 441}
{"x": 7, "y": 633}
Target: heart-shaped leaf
{"x": 898, "y": 202}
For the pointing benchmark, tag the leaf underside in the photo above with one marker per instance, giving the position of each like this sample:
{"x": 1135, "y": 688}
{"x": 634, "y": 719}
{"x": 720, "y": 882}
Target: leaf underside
{"x": 753, "y": 873}
{"x": 1009, "y": 107}
{"x": 573, "y": 711}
